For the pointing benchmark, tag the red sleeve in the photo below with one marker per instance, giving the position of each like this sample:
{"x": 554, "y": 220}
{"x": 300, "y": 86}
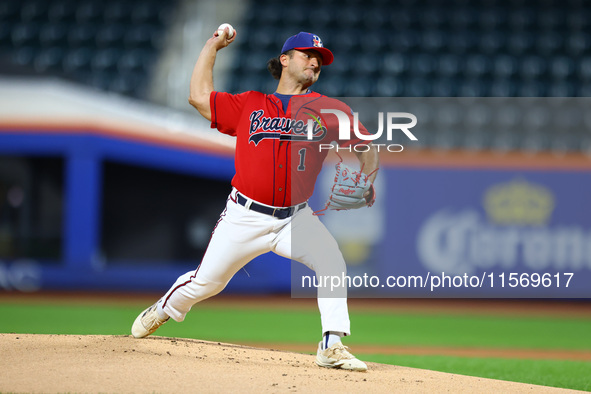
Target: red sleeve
{"x": 226, "y": 109}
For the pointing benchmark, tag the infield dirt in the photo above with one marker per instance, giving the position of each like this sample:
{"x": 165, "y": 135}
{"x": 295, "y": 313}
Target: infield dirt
{"x": 74, "y": 363}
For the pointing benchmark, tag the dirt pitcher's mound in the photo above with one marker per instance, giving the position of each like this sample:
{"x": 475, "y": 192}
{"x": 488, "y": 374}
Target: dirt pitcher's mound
{"x": 71, "y": 363}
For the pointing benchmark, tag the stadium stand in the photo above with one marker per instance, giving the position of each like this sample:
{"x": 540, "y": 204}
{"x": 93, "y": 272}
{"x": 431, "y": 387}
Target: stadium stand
{"x": 108, "y": 44}
{"x": 435, "y": 48}
{"x": 402, "y": 48}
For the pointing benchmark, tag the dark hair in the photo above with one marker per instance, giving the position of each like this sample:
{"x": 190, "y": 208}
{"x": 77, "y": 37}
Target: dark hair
{"x": 274, "y": 64}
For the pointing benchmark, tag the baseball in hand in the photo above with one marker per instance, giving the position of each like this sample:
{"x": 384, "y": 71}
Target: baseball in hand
{"x": 230, "y": 29}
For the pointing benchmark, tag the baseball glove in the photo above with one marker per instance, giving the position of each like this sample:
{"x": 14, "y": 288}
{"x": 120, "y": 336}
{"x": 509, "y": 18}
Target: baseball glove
{"x": 349, "y": 188}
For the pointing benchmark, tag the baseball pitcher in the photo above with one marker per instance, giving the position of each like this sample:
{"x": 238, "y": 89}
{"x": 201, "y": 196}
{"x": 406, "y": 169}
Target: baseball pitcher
{"x": 277, "y": 163}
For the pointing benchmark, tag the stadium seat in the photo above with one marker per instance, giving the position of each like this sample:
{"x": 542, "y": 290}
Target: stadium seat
{"x": 99, "y": 80}
{"x": 89, "y": 11}
{"x": 53, "y": 34}
{"x": 403, "y": 41}
{"x": 578, "y": 44}
{"x": 473, "y": 88}
{"x": 584, "y": 90}
{"x": 254, "y": 62}
{"x": 389, "y": 86}
{"x": 450, "y": 65}
{"x": 532, "y": 67}
{"x": 531, "y": 89}
{"x": 62, "y": 11}
{"x": 535, "y": 116}
{"x": 118, "y": 12}
{"x": 561, "y": 142}
{"x": 491, "y": 19}
{"x": 503, "y": 87}
{"x": 332, "y": 85}
{"x": 125, "y": 83}
{"x": 134, "y": 60}
{"x": 82, "y": 35}
{"x": 146, "y": 12}
{"x": 520, "y": 43}
{"x": 105, "y": 60}
{"x": 324, "y": 16}
{"x": 562, "y": 89}
{"x": 445, "y": 139}
{"x": 395, "y": 64}
{"x": 417, "y": 87}
{"x": 463, "y": 17}
{"x": 432, "y": 41}
{"x": 246, "y": 84}
{"x": 34, "y": 11}
{"x": 62, "y": 36}
{"x": 512, "y": 115}
{"x": 505, "y": 66}
{"x": 533, "y": 141}
{"x": 77, "y": 60}
{"x": 350, "y": 16}
{"x": 49, "y": 59}
{"x": 367, "y": 64}
{"x": 5, "y": 36}
{"x": 504, "y": 141}
{"x": 521, "y": 18}
{"x": 140, "y": 36}
{"x": 403, "y": 20}
{"x": 432, "y": 18}
{"x": 492, "y": 42}
{"x": 562, "y": 67}
{"x": 24, "y": 55}
{"x": 264, "y": 39}
{"x": 294, "y": 13}
{"x": 25, "y": 34}
{"x": 360, "y": 87}
{"x": 584, "y": 70}
{"x": 110, "y": 35}
{"x": 462, "y": 42}
{"x": 475, "y": 140}
{"x": 374, "y": 42}
{"x": 422, "y": 64}
{"x": 477, "y": 66}
{"x": 10, "y": 10}
{"x": 549, "y": 43}
{"x": 579, "y": 21}
{"x": 445, "y": 87}
{"x": 376, "y": 19}
{"x": 340, "y": 66}
{"x": 348, "y": 41}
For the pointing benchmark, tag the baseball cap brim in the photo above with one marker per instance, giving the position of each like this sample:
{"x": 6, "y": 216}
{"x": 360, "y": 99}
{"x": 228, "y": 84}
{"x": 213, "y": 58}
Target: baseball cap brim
{"x": 326, "y": 54}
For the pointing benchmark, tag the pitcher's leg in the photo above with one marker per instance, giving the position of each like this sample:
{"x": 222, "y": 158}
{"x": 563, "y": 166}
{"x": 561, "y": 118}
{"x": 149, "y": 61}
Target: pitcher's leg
{"x": 309, "y": 242}
{"x": 229, "y": 249}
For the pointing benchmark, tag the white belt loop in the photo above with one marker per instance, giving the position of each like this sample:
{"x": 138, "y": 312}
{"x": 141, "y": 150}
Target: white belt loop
{"x": 248, "y": 202}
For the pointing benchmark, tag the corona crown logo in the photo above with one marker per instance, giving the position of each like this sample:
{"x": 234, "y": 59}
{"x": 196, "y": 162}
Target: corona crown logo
{"x": 518, "y": 202}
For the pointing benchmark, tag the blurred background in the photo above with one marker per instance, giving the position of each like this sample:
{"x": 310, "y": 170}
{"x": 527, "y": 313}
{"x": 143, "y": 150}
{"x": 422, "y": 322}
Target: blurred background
{"x": 110, "y": 180}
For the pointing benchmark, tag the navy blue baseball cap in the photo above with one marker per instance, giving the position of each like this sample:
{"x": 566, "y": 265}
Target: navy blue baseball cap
{"x": 307, "y": 41}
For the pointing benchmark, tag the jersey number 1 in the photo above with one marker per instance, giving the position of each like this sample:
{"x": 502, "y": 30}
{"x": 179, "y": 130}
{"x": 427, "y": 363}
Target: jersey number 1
{"x": 302, "y": 153}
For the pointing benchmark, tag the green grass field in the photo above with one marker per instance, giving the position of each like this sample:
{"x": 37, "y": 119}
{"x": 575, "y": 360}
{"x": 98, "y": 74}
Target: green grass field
{"x": 230, "y": 323}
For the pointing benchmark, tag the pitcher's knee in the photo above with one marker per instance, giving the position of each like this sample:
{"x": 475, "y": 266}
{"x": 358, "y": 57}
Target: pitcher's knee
{"x": 208, "y": 289}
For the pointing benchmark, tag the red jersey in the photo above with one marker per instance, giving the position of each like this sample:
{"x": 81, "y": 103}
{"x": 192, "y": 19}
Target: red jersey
{"x": 276, "y": 163}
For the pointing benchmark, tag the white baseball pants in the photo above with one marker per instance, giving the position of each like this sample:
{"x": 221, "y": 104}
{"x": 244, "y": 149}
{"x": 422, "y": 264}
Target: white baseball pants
{"x": 240, "y": 236}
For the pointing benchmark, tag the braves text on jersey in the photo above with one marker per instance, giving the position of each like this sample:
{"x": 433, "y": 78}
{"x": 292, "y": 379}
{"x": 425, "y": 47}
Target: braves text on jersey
{"x": 276, "y": 164}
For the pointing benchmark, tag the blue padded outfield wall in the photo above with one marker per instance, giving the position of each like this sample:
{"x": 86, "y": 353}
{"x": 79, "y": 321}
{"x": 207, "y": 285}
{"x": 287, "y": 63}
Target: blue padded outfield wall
{"x": 522, "y": 233}
{"x": 429, "y": 220}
